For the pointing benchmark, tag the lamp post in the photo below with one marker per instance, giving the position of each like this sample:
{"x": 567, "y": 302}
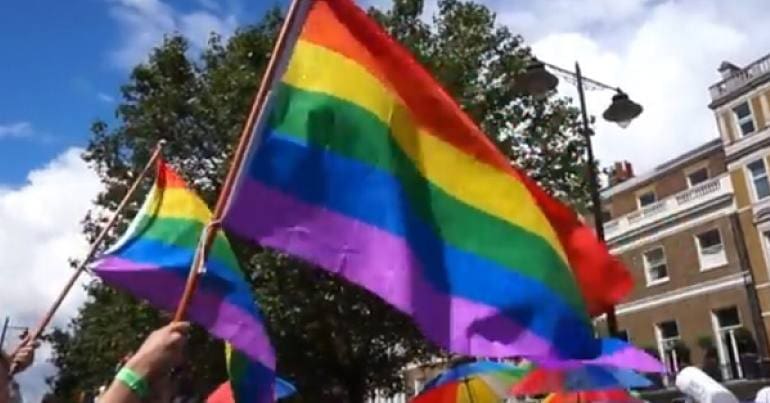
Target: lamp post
{"x": 7, "y": 326}
{"x": 538, "y": 81}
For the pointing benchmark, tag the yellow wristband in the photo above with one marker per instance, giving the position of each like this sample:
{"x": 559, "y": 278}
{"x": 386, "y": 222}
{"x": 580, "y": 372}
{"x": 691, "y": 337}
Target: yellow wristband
{"x": 133, "y": 381}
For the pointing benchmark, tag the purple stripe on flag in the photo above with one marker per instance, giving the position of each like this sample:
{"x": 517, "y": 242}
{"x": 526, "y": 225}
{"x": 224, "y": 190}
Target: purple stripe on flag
{"x": 164, "y": 289}
{"x": 384, "y": 264}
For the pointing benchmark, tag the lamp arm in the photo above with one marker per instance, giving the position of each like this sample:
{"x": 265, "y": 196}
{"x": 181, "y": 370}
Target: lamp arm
{"x": 586, "y": 80}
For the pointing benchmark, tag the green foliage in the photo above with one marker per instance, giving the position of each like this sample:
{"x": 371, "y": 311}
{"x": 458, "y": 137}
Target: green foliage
{"x": 334, "y": 340}
{"x": 705, "y": 342}
{"x": 476, "y": 61}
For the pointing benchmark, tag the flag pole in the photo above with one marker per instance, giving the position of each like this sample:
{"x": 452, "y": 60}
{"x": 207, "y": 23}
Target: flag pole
{"x": 92, "y": 252}
{"x": 247, "y": 134}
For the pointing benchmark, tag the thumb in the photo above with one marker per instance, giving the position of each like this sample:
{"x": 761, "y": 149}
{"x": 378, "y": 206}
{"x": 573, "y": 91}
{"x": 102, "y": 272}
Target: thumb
{"x": 178, "y": 327}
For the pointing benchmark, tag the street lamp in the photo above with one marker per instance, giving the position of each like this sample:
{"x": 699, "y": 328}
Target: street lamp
{"x": 537, "y": 81}
{"x": 622, "y": 110}
{"x": 6, "y": 326}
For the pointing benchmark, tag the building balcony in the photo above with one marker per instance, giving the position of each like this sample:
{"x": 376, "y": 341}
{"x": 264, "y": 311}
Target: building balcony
{"x": 674, "y": 206}
{"x": 755, "y": 71}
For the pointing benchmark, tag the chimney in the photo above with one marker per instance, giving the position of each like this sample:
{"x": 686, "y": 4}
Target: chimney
{"x": 727, "y": 69}
{"x": 620, "y": 172}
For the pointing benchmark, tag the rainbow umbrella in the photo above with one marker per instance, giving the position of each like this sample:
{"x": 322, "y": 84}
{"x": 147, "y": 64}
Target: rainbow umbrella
{"x": 224, "y": 394}
{"x": 587, "y": 377}
{"x": 475, "y": 382}
{"x": 593, "y": 396}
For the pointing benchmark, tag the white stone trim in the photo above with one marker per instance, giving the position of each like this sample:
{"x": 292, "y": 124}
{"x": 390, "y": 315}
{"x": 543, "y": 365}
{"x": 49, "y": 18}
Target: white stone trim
{"x": 658, "y": 235}
{"x": 679, "y": 294}
{"x": 747, "y": 141}
{"x": 723, "y": 132}
{"x": 765, "y": 107}
{"x": 760, "y": 153}
{"x": 747, "y": 96}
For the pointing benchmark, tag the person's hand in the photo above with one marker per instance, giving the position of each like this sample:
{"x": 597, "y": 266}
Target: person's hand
{"x": 161, "y": 351}
{"x": 23, "y": 358}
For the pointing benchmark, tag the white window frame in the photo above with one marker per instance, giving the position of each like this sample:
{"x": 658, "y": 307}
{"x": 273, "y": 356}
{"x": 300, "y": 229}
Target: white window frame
{"x": 651, "y": 282}
{"x": 718, "y": 340}
{"x": 661, "y": 341}
{"x": 765, "y": 242}
{"x": 738, "y": 122}
{"x": 750, "y": 178}
{"x": 700, "y": 251}
{"x": 695, "y": 168}
{"x": 646, "y": 190}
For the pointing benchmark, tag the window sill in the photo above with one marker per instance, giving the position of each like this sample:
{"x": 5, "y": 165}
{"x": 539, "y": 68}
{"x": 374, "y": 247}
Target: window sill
{"x": 657, "y": 282}
{"x": 712, "y": 267}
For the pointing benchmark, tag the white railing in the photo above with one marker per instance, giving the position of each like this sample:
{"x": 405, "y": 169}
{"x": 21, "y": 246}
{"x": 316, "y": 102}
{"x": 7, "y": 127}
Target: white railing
{"x": 669, "y": 206}
{"x": 741, "y": 78}
{"x": 382, "y": 398}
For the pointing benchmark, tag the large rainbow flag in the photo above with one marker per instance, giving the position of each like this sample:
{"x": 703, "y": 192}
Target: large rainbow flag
{"x": 152, "y": 260}
{"x": 366, "y": 167}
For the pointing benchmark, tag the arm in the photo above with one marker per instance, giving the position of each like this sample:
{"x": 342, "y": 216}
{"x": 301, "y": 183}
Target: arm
{"x": 161, "y": 351}
{"x": 5, "y": 365}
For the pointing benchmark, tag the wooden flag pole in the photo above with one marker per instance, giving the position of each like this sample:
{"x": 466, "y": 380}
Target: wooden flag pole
{"x": 92, "y": 252}
{"x": 255, "y": 115}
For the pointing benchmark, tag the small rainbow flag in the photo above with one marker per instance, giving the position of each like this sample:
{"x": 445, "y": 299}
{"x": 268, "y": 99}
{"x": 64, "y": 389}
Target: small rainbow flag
{"x": 368, "y": 168}
{"x": 243, "y": 371}
{"x": 152, "y": 260}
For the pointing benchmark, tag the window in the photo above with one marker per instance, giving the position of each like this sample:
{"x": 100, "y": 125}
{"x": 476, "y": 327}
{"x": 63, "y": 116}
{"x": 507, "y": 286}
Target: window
{"x": 726, "y": 322}
{"x": 758, "y": 175}
{"x": 698, "y": 176}
{"x": 655, "y": 266}
{"x": 647, "y": 198}
{"x": 727, "y": 317}
{"x": 622, "y": 335}
{"x": 744, "y": 119}
{"x": 668, "y": 330}
{"x": 711, "y": 251}
{"x": 668, "y": 335}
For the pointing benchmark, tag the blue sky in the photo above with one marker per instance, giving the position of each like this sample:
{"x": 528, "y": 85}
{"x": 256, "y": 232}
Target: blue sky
{"x": 64, "y": 62}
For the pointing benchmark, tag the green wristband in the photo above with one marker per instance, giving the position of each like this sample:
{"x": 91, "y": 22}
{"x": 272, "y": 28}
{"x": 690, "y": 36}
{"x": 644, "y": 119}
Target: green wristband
{"x": 133, "y": 381}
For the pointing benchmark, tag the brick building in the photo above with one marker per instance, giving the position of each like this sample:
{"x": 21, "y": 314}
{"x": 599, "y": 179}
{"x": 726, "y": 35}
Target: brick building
{"x": 695, "y": 233}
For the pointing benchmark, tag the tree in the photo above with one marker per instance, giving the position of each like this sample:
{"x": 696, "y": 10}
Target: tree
{"x": 334, "y": 340}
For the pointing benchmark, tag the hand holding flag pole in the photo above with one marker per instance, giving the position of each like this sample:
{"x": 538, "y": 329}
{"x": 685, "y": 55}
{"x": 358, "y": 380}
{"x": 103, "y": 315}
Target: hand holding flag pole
{"x": 255, "y": 115}
{"x": 34, "y": 336}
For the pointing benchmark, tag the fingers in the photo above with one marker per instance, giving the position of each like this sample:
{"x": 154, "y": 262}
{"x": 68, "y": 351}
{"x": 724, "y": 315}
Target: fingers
{"x": 178, "y": 327}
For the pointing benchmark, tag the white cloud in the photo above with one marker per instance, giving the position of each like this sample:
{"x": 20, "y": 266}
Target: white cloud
{"x": 663, "y": 53}
{"x": 198, "y": 26}
{"x": 143, "y": 24}
{"x": 40, "y": 231}
{"x": 15, "y": 129}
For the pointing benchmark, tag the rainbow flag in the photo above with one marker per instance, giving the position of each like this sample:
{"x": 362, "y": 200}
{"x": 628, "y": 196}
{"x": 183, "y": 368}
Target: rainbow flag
{"x": 243, "y": 371}
{"x": 152, "y": 260}
{"x": 367, "y": 168}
